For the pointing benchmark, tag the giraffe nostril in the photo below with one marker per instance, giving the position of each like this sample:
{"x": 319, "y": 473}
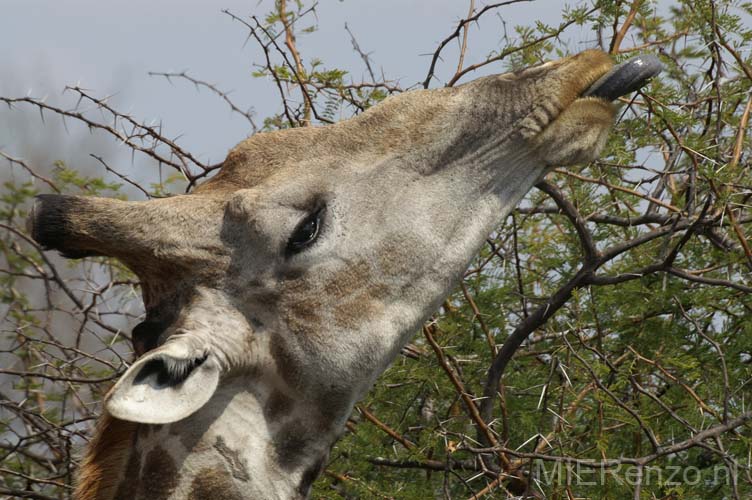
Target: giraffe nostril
{"x": 146, "y": 334}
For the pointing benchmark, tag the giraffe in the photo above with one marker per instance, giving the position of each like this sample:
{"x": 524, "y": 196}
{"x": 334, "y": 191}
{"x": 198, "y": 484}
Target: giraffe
{"x": 278, "y": 290}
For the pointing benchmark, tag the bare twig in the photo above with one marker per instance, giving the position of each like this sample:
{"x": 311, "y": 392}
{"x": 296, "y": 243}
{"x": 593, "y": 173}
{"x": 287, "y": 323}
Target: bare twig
{"x": 364, "y": 56}
{"x": 618, "y": 37}
{"x": 299, "y": 70}
{"x": 225, "y": 96}
{"x": 456, "y": 34}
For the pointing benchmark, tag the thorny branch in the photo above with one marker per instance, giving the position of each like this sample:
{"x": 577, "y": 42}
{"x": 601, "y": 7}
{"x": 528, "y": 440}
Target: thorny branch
{"x": 512, "y": 50}
{"x": 137, "y": 136}
{"x": 225, "y": 96}
{"x": 461, "y": 29}
{"x": 299, "y": 70}
{"x": 697, "y": 439}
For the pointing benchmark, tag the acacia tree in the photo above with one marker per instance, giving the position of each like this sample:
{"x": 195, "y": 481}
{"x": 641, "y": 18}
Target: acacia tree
{"x": 599, "y": 346}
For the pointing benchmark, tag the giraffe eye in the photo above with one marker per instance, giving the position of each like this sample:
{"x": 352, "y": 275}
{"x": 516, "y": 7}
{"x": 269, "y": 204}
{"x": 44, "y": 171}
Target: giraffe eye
{"x": 305, "y": 233}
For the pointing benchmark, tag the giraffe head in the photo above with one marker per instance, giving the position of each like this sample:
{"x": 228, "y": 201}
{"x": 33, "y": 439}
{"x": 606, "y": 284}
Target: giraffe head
{"x": 308, "y": 261}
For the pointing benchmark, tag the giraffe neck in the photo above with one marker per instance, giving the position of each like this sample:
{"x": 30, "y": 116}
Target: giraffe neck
{"x": 245, "y": 443}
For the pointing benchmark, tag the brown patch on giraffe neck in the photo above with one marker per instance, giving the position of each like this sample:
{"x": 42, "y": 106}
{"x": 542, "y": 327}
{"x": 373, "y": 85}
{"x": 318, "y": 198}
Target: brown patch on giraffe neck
{"x": 128, "y": 488}
{"x": 310, "y": 475}
{"x": 238, "y": 466}
{"x": 215, "y": 484}
{"x": 278, "y": 405}
{"x": 104, "y": 463}
{"x": 159, "y": 477}
{"x": 292, "y": 443}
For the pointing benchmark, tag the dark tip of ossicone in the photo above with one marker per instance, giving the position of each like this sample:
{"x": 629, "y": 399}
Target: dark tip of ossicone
{"x": 48, "y": 223}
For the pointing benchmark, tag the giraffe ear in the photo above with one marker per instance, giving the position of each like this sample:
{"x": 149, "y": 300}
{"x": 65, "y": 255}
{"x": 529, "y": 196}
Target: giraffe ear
{"x": 164, "y": 386}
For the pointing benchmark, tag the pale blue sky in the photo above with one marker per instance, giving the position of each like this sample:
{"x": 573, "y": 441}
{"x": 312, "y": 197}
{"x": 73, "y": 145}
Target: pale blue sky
{"x": 110, "y": 46}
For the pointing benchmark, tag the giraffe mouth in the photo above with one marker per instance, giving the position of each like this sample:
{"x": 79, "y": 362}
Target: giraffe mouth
{"x": 625, "y": 77}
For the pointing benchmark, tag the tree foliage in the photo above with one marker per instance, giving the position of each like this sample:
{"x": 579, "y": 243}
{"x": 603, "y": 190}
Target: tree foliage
{"x": 600, "y": 345}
